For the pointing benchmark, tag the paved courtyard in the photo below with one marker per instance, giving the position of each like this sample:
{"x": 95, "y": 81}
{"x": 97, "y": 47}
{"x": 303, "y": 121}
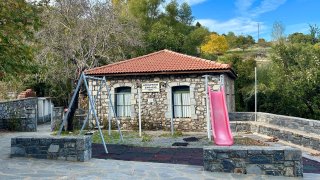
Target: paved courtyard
{"x": 26, "y": 168}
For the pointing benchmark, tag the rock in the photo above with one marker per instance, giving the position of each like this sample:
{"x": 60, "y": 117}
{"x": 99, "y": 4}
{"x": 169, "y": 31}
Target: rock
{"x": 53, "y": 148}
{"x": 254, "y": 169}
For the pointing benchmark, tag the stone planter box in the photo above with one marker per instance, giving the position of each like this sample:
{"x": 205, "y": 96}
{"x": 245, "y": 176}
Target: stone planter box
{"x": 260, "y": 160}
{"x": 71, "y": 148}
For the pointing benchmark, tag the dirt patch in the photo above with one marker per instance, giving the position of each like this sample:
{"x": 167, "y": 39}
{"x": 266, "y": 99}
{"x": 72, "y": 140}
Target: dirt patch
{"x": 245, "y": 141}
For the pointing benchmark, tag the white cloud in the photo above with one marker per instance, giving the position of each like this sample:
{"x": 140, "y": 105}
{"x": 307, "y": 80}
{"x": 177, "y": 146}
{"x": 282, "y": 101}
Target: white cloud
{"x": 245, "y": 23}
{"x": 243, "y": 6}
{"x": 266, "y": 6}
{"x": 239, "y": 26}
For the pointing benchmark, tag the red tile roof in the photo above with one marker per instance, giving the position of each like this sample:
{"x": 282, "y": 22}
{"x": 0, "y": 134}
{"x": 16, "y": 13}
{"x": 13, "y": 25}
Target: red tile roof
{"x": 164, "y": 61}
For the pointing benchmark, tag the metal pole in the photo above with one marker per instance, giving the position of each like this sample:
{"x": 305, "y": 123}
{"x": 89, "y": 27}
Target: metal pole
{"x": 139, "y": 96}
{"x": 51, "y": 105}
{"x": 94, "y": 78}
{"x": 208, "y": 110}
{"x": 70, "y": 104}
{"x": 113, "y": 110}
{"x": 255, "y": 94}
{"x": 94, "y": 99}
{"x": 171, "y": 114}
{"x": 95, "y": 114}
{"x": 109, "y": 116}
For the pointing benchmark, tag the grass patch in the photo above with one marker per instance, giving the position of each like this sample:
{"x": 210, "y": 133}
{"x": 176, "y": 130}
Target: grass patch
{"x": 114, "y": 137}
{"x": 146, "y": 138}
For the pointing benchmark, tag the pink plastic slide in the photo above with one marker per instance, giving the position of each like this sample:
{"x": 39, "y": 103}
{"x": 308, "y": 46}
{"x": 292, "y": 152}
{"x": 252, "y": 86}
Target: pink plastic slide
{"x": 219, "y": 118}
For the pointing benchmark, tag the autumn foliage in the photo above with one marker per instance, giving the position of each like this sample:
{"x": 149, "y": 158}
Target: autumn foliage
{"x": 215, "y": 44}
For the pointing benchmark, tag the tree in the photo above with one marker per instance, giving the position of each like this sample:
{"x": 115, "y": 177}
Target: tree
{"x": 194, "y": 39}
{"x": 232, "y": 39}
{"x": 172, "y": 12}
{"x": 263, "y": 43}
{"x": 145, "y": 11}
{"x": 300, "y": 38}
{"x": 244, "y": 68}
{"x": 18, "y": 22}
{"x": 163, "y": 36}
{"x": 293, "y": 81}
{"x": 198, "y": 24}
{"x": 185, "y": 14}
{"x": 314, "y": 33}
{"x": 215, "y": 44}
{"x": 278, "y": 32}
{"x": 244, "y": 42}
{"x": 79, "y": 35}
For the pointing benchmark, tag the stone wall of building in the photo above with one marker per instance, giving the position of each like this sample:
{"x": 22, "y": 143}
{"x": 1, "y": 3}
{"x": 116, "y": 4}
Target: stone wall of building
{"x": 19, "y": 115}
{"x": 276, "y": 161}
{"x": 61, "y": 148}
{"x": 156, "y": 108}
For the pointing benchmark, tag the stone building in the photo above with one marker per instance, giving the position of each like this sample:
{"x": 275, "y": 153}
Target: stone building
{"x": 171, "y": 85}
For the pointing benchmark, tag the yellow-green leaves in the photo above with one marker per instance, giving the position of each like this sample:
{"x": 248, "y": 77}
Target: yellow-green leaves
{"x": 215, "y": 44}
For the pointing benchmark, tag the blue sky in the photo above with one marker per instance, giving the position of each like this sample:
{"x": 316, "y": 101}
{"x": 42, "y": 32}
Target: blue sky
{"x": 243, "y": 16}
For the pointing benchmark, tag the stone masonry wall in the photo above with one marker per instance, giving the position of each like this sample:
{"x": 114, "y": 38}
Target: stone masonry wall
{"x": 302, "y": 124}
{"x": 300, "y": 131}
{"x": 19, "y": 115}
{"x": 276, "y": 161}
{"x": 61, "y": 148}
{"x": 296, "y": 123}
{"x": 156, "y": 107}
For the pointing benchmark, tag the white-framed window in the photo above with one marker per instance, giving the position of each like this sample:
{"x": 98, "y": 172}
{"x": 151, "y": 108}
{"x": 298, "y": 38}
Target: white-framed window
{"x": 181, "y": 102}
{"x": 123, "y": 101}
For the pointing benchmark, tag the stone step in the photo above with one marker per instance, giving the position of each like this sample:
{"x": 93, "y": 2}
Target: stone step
{"x": 302, "y": 138}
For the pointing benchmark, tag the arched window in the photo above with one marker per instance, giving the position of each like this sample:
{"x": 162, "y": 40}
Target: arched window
{"x": 123, "y": 101}
{"x": 181, "y": 101}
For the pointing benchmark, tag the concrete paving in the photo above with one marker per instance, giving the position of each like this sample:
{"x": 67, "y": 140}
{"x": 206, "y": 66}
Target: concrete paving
{"x": 27, "y": 168}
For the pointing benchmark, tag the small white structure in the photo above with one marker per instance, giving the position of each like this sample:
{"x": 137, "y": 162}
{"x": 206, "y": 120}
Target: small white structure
{"x": 45, "y": 106}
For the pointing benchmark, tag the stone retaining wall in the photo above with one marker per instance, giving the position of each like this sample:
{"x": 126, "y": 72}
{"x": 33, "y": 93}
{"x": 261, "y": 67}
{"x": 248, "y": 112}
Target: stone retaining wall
{"x": 241, "y": 116}
{"x": 277, "y": 161}
{"x": 61, "y": 148}
{"x": 302, "y": 124}
{"x": 302, "y": 139}
{"x": 19, "y": 115}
